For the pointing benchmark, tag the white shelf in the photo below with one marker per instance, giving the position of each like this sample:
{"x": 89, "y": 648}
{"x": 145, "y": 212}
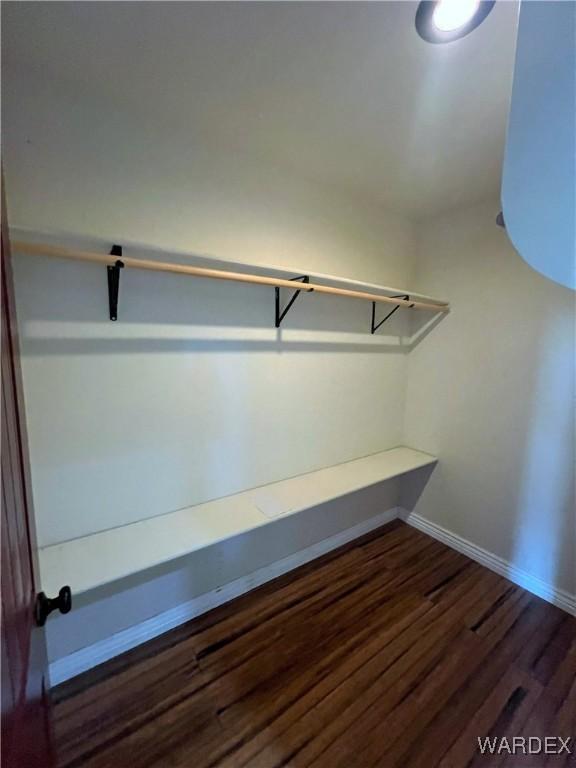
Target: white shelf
{"x": 101, "y": 558}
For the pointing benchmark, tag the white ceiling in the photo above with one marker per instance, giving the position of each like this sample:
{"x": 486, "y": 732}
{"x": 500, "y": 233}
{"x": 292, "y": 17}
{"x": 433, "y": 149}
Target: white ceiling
{"x": 345, "y": 93}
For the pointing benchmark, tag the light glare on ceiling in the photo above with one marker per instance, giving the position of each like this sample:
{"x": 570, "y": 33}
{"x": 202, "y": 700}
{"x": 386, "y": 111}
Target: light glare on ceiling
{"x": 444, "y": 21}
{"x": 452, "y": 14}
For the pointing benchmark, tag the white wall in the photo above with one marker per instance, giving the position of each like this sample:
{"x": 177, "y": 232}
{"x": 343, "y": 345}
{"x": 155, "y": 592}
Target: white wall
{"x": 88, "y": 167}
{"x": 193, "y": 394}
{"x": 491, "y": 392}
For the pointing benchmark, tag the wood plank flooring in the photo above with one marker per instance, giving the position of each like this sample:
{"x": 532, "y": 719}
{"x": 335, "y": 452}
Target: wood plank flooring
{"x": 392, "y": 651}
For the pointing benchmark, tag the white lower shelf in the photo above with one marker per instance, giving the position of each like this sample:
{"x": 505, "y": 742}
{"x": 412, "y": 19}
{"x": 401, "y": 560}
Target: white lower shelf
{"x": 101, "y": 558}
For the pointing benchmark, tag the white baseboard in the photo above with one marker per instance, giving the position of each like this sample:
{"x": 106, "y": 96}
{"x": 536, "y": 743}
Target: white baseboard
{"x": 87, "y": 658}
{"x": 533, "y": 584}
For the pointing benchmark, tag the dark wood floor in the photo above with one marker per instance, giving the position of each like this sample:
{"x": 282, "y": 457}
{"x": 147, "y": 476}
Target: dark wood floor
{"x": 393, "y": 651}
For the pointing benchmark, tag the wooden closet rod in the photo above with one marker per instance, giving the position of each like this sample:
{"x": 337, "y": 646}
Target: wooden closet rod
{"x": 44, "y": 249}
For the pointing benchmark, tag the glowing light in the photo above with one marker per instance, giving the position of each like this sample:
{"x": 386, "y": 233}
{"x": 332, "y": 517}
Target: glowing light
{"x": 453, "y": 14}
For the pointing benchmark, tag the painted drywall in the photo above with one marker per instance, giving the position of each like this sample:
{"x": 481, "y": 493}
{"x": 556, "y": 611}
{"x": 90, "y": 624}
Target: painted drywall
{"x": 491, "y": 392}
{"x": 346, "y": 93}
{"x": 193, "y": 394}
{"x": 539, "y": 175}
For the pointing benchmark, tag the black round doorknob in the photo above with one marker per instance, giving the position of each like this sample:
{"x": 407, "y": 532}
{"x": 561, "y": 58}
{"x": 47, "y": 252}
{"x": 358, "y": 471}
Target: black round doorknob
{"x": 45, "y": 605}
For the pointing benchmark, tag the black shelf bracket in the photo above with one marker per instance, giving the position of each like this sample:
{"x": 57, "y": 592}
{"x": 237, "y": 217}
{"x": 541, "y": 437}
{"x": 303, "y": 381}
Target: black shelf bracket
{"x": 281, "y": 315}
{"x": 374, "y": 326}
{"x": 114, "y": 281}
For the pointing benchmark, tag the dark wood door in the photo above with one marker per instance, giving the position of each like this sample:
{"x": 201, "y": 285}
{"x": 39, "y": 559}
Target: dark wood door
{"x": 26, "y": 728}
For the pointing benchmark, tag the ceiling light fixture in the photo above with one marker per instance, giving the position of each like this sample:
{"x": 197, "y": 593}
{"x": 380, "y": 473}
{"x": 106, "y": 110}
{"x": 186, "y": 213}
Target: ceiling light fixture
{"x": 442, "y": 21}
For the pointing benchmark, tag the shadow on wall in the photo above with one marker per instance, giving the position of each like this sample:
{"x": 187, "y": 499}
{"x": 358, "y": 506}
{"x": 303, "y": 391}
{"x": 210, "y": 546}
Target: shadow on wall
{"x": 412, "y": 487}
{"x": 44, "y": 344}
